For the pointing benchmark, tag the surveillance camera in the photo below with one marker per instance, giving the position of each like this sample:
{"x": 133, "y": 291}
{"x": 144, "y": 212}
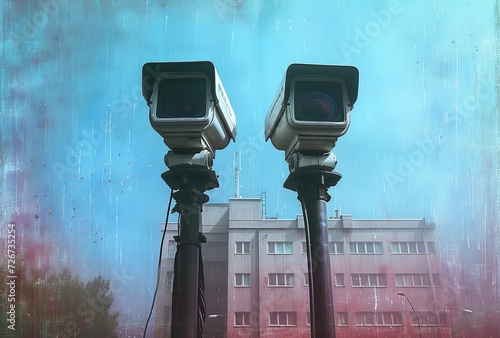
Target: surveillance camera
{"x": 312, "y": 108}
{"x": 188, "y": 105}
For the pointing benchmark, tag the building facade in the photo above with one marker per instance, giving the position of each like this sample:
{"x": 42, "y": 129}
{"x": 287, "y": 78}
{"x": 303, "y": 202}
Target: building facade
{"x": 256, "y": 276}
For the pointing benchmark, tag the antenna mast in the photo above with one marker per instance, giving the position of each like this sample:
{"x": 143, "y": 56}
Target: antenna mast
{"x": 263, "y": 201}
{"x": 237, "y": 169}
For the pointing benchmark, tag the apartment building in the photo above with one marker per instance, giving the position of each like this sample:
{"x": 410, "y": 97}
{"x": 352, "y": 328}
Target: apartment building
{"x": 257, "y": 280}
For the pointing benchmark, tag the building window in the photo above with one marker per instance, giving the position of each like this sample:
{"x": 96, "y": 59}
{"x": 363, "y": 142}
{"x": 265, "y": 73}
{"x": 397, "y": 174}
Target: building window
{"x": 369, "y": 248}
{"x": 281, "y": 279}
{"x": 431, "y": 247}
{"x": 242, "y": 319}
{"x": 407, "y": 247}
{"x": 379, "y": 319}
{"x": 167, "y": 312}
{"x": 306, "y": 279}
{"x": 342, "y": 319}
{"x": 368, "y": 280}
{"x": 339, "y": 279}
{"x": 413, "y": 279}
{"x": 282, "y": 319}
{"x": 169, "y": 283}
{"x": 426, "y": 318}
{"x": 436, "y": 280}
{"x": 279, "y": 248}
{"x": 365, "y": 318}
{"x": 242, "y": 248}
{"x": 242, "y": 279}
{"x": 172, "y": 248}
{"x": 308, "y": 318}
{"x": 443, "y": 318}
{"x": 336, "y": 248}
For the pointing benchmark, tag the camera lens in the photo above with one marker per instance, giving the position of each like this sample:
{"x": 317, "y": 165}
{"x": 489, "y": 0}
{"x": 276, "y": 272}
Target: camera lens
{"x": 182, "y": 98}
{"x": 319, "y": 101}
{"x": 317, "y": 106}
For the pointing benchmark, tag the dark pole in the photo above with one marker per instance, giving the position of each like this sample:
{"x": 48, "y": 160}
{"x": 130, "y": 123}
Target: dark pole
{"x": 185, "y": 309}
{"x": 311, "y": 186}
{"x": 191, "y": 182}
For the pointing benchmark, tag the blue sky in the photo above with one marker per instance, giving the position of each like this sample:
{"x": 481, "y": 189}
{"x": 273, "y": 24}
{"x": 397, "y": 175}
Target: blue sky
{"x": 76, "y": 138}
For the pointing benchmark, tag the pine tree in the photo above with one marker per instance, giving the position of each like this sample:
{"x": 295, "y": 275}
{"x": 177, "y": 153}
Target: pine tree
{"x": 59, "y": 305}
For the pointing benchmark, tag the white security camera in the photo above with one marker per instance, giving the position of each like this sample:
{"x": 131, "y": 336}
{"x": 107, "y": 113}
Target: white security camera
{"x": 188, "y": 105}
{"x": 312, "y": 108}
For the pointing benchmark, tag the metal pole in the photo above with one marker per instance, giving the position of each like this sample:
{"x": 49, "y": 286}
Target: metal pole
{"x": 191, "y": 182}
{"x": 324, "y": 325}
{"x": 311, "y": 186}
{"x": 450, "y": 319}
{"x": 185, "y": 309}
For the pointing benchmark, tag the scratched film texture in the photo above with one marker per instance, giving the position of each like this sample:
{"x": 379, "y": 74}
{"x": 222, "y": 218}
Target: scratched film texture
{"x": 80, "y": 163}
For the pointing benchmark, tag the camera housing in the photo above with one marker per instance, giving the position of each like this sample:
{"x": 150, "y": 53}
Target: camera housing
{"x": 188, "y": 105}
{"x": 312, "y": 108}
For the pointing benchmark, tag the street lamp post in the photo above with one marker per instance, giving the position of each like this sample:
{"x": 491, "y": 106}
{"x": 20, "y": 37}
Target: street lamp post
{"x": 462, "y": 310}
{"x": 215, "y": 316}
{"x": 215, "y": 326}
{"x": 402, "y": 294}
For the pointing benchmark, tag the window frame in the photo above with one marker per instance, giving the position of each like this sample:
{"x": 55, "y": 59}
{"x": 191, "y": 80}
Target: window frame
{"x": 369, "y": 280}
{"x": 283, "y": 318}
{"x": 418, "y": 280}
{"x": 338, "y": 248}
{"x": 245, "y": 319}
{"x": 408, "y": 248}
{"x": 366, "y": 248}
{"x": 169, "y": 281}
{"x": 287, "y": 278}
{"x": 243, "y": 279}
{"x": 370, "y": 319}
{"x": 243, "y": 244}
{"x": 171, "y": 249}
{"x": 339, "y": 277}
{"x": 342, "y": 319}
{"x": 424, "y": 319}
{"x": 276, "y": 244}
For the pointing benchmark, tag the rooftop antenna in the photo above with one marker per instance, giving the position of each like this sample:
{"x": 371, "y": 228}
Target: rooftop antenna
{"x": 263, "y": 201}
{"x": 237, "y": 169}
